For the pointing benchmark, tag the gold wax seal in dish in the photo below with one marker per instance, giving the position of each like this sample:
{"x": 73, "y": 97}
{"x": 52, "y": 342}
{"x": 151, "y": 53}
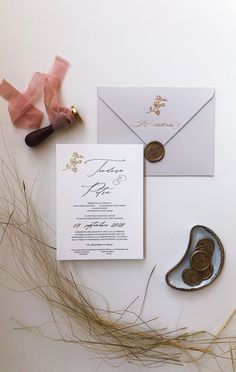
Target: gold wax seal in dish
{"x": 191, "y": 277}
{"x": 201, "y": 266}
{"x": 200, "y": 260}
{"x": 154, "y": 151}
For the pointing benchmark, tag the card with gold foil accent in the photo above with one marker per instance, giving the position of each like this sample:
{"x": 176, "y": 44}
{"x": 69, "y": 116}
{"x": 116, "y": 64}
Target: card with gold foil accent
{"x": 175, "y": 126}
{"x": 99, "y": 202}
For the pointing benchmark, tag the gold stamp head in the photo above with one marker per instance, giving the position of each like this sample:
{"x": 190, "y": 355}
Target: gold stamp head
{"x": 75, "y": 112}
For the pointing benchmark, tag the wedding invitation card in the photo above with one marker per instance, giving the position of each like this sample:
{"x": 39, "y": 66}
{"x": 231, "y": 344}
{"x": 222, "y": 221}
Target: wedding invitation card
{"x": 99, "y": 202}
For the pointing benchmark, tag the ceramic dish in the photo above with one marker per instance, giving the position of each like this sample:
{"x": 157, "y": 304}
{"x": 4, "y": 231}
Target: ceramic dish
{"x": 174, "y": 276}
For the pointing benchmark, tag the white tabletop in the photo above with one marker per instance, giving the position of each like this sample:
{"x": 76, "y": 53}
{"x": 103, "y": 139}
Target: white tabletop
{"x": 124, "y": 43}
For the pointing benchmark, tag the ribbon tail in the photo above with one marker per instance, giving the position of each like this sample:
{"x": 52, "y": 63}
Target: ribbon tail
{"x": 22, "y": 112}
{"x": 21, "y": 109}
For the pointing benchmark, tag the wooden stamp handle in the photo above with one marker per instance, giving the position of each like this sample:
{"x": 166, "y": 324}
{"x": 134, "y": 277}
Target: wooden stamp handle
{"x": 35, "y": 138}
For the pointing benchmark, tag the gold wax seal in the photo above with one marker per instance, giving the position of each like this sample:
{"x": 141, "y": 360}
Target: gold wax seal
{"x": 206, "y": 245}
{"x": 154, "y": 151}
{"x": 191, "y": 277}
{"x": 75, "y": 112}
{"x": 200, "y": 260}
{"x": 206, "y": 274}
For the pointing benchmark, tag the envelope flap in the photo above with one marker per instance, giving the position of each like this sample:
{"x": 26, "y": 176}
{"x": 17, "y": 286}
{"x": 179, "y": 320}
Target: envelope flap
{"x": 155, "y": 113}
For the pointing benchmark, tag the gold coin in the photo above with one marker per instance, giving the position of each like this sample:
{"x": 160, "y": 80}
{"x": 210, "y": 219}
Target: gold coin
{"x": 191, "y": 277}
{"x": 206, "y": 274}
{"x": 200, "y": 260}
{"x": 207, "y": 245}
{"x": 154, "y": 151}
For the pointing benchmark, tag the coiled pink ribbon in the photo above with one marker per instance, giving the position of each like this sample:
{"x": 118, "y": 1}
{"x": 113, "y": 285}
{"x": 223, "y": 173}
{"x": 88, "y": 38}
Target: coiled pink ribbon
{"x": 22, "y": 111}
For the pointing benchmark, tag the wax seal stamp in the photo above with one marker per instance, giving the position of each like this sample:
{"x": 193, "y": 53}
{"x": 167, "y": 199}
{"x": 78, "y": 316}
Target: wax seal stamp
{"x": 201, "y": 263}
{"x": 62, "y": 120}
{"x": 206, "y": 245}
{"x": 154, "y": 151}
{"x": 206, "y": 274}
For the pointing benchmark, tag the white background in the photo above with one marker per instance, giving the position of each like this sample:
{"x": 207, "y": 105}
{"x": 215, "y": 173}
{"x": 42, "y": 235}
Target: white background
{"x": 125, "y": 43}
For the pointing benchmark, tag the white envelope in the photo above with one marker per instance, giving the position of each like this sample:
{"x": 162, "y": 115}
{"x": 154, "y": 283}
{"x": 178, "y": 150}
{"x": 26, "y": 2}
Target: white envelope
{"x": 182, "y": 119}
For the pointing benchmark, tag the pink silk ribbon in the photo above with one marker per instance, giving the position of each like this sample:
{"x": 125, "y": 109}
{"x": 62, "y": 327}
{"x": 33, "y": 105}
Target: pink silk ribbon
{"x": 22, "y": 111}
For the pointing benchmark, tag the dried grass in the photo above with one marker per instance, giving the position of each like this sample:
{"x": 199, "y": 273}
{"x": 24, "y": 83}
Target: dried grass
{"x": 103, "y": 331}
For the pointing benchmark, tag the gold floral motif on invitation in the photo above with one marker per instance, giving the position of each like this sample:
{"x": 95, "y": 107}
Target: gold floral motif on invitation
{"x": 75, "y": 160}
